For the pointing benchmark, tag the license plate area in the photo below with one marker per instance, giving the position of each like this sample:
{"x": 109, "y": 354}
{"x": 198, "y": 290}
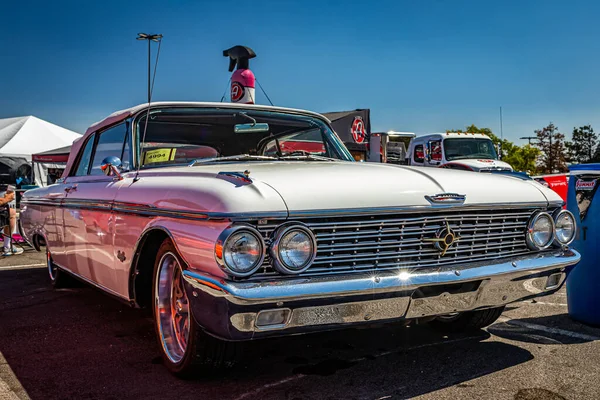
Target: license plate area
{"x": 443, "y": 299}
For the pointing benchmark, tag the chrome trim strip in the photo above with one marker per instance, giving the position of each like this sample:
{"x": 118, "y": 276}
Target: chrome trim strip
{"x": 269, "y": 291}
{"x": 152, "y": 211}
{"x": 393, "y": 210}
{"x": 149, "y": 210}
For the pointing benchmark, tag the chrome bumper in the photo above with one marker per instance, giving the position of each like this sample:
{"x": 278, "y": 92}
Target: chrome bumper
{"x": 229, "y": 309}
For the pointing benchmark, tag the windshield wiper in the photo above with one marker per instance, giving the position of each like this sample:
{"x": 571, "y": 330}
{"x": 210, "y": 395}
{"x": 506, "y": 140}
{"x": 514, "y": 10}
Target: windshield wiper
{"x": 308, "y": 157}
{"x": 237, "y": 157}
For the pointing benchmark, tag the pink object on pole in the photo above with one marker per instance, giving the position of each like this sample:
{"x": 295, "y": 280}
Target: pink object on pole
{"x": 243, "y": 86}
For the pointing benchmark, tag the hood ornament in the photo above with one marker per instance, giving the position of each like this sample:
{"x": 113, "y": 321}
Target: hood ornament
{"x": 444, "y": 239}
{"x": 240, "y": 176}
{"x": 447, "y": 198}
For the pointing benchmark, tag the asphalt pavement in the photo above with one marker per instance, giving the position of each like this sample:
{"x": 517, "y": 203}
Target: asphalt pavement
{"x": 80, "y": 344}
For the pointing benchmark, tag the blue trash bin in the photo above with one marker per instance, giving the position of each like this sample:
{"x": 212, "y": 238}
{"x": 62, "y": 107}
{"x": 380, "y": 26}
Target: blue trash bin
{"x": 583, "y": 283}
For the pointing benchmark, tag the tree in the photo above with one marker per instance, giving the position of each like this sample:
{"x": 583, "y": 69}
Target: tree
{"x": 551, "y": 143}
{"x": 596, "y": 158}
{"x": 581, "y": 148}
{"x": 521, "y": 158}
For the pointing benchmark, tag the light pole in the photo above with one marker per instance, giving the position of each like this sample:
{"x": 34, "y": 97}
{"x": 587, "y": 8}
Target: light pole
{"x": 528, "y": 138}
{"x": 154, "y": 37}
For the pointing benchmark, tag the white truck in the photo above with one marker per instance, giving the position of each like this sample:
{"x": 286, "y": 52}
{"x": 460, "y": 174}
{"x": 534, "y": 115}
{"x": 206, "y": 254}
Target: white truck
{"x": 456, "y": 150}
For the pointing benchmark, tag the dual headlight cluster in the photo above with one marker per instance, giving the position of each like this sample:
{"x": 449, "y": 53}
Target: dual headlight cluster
{"x": 545, "y": 229}
{"x": 241, "y": 250}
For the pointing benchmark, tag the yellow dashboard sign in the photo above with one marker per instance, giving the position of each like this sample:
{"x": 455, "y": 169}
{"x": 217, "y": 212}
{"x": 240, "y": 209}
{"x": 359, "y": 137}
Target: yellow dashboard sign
{"x": 159, "y": 155}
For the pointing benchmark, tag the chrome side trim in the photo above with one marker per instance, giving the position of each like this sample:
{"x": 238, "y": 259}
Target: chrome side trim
{"x": 269, "y": 291}
{"x": 152, "y": 211}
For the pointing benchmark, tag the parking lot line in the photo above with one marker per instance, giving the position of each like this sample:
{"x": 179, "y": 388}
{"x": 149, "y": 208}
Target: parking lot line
{"x": 22, "y": 266}
{"x": 549, "y": 304}
{"x": 548, "y": 329}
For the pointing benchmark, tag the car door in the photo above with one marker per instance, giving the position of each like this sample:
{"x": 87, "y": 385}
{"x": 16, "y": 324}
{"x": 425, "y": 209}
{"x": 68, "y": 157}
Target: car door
{"x": 52, "y": 214}
{"x": 88, "y": 209}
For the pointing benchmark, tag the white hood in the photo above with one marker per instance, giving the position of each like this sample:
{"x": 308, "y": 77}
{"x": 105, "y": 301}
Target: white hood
{"x": 479, "y": 164}
{"x": 307, "y": 186}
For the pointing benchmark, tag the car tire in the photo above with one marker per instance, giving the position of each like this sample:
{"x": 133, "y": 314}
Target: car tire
{"x": 187, "y": 351}
{"x": 468, "y": 321}
{"x": 58, "y": 278}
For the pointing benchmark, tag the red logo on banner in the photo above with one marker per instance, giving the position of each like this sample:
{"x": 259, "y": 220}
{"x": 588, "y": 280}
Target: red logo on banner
{"x": 359, "y": 134}
{"x": 585, "y": 185}
{"x": 237, "y": 91}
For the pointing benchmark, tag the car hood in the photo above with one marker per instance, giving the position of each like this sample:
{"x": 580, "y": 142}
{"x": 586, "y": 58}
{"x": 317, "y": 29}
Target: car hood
{"x": 310, "y": 186}
{"x": 479, "y": 164}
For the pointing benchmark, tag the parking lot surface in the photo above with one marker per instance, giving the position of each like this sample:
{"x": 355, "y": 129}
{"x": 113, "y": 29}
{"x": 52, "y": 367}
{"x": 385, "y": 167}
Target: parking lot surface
{"x": 79, "y": 343}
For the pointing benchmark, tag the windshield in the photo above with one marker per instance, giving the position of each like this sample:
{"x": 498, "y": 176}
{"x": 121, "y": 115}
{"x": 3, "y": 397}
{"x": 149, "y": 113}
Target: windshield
{"x": 463, "y": 148}
{"x": 183, "y": 135}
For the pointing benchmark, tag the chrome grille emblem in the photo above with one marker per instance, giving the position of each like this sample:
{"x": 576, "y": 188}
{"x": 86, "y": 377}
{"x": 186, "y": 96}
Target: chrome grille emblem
{"x": 444, "y": 239}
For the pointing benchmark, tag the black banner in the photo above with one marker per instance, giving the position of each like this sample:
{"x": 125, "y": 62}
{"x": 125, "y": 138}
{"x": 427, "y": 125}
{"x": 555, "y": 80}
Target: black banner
{"x": 353, "y": 127}
{"x": 585, "y": 189}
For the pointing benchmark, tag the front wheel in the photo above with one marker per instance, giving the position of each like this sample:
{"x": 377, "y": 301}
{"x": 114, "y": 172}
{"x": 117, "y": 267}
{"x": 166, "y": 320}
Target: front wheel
{"x": 185, "y": 348}
{"x": 467, "y": 321}
{"x": 58, "y": 277}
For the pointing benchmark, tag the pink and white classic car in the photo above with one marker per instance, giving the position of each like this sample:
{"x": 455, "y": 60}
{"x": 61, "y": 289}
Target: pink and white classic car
{"x": 236, "y": 222}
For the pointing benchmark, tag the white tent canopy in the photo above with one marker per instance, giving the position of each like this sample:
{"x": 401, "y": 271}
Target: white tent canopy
{"x": 24, "y": 136}
{"x": 21, "y": 137}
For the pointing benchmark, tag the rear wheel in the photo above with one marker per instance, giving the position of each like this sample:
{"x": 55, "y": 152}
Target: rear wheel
{"x": 467, "y": 321}
{"x": 185, "y": 348}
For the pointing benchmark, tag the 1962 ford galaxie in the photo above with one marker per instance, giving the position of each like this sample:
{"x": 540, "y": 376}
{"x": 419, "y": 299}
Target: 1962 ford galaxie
{"x": 236, "y": 222}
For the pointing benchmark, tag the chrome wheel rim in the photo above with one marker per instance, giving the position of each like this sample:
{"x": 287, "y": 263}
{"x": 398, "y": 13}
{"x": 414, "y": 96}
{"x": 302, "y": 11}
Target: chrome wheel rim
{"x": 52, "y": 269}
{"x": 172, "y": 308}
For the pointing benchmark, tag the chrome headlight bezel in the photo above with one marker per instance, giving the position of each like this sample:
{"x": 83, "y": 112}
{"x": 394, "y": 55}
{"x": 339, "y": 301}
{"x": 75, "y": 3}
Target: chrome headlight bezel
{"x": 221, "y": 245}
{"x": 275, "y": 248}
{"x": 529, "y": 235}
{"x": 557, "y": 214}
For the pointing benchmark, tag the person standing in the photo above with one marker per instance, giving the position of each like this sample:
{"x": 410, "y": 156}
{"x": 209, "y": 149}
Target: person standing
{"x": 8, "y": 219}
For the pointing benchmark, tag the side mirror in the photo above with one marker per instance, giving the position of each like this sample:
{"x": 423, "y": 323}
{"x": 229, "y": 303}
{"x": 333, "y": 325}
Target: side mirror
{"x": 111, "y": 165}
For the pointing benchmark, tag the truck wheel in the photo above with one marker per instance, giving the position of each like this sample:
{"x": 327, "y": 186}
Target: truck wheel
{"x": 185, "y": 348}
{"x": 58, "y": 278}
{"x": 468, "y": 321}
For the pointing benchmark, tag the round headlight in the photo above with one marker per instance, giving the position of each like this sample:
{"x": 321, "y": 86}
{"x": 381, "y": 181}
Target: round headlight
{"x": 540, "y": 231}
{"x": 294, "y": 249}
{"x": 565, "y": 227}
{"x": 240, "y": 250}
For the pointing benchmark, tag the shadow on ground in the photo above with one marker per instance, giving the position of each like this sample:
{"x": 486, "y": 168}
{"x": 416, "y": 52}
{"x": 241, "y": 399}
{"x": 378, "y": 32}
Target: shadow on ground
{"x": 555, "y": 329}
{"x": 78, "y": 343}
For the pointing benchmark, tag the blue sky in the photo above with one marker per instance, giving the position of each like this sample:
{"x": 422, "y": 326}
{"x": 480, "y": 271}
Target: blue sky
{"x": 420, "y": 66}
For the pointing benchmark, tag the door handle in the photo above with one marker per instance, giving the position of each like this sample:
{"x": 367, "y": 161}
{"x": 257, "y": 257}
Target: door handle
{"x": 70, "y": 189}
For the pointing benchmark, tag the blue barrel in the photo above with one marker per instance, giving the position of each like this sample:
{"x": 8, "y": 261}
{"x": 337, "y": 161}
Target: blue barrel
{"x": 583, "y": 283}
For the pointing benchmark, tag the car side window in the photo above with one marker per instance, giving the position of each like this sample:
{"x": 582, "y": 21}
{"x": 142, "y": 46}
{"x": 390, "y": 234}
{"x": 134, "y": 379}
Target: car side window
{"x": 86, "y": 156}
{"x": 110, "y": 143}
{"x": 419, "y": 154}
{"x": 436, "y": 150}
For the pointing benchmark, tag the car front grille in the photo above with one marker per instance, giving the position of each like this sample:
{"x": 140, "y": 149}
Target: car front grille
{"x": 399, "y": 241}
